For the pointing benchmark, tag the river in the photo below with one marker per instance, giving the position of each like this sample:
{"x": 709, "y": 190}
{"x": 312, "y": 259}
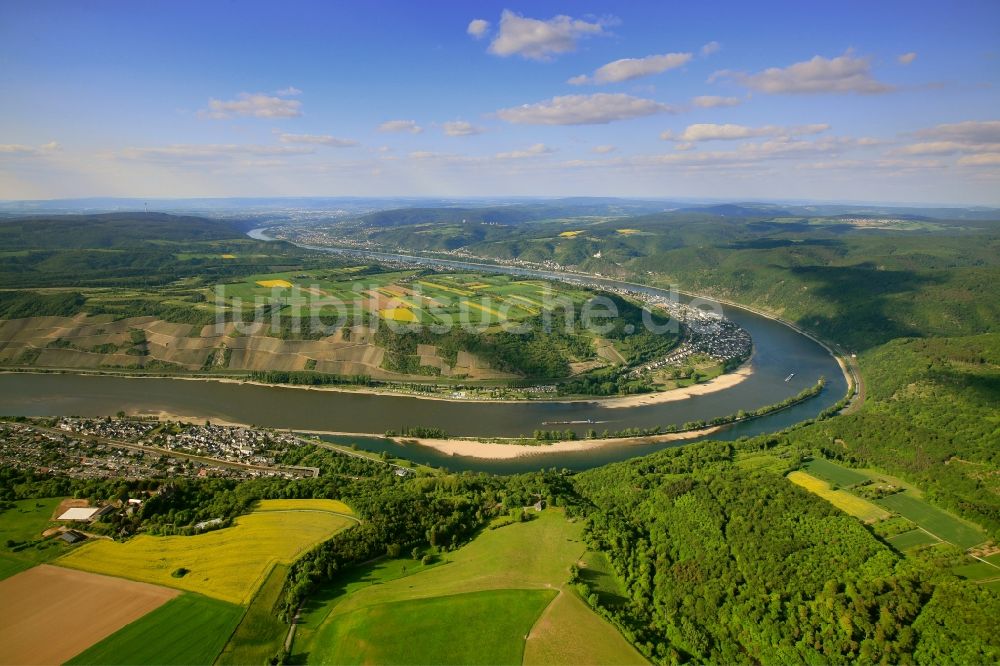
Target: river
{"x": 778, "y": 352}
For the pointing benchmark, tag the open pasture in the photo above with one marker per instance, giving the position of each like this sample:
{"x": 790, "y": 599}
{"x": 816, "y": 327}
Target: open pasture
{"x": 939, "y": 523}
{"x": 50, "y": 614}
{"x": 977, "y": 570}
{"x": 188, "y": 630}
{"x": 475, "y": 606}
{"x": 836, "y": 474}
{"x": 473, "y": 628}
{"x": 912, "y": 539}
{"x": 260, "y": 633}
{"x": 566, "y": 635}
{"x": 227, "y": 564}
{"x": 843, "y": 500}
{"x": 23, "y": 525}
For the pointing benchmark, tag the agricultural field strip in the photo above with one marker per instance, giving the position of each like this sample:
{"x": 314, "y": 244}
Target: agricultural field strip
{"x": 85, "y": 607}
{"x": 843, "y": 500}
{"x": 256, "y": 540}
{"x": 907, "y": 503}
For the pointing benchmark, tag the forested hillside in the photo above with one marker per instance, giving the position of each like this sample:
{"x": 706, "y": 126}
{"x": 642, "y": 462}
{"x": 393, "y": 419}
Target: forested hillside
{"x": 129, "y": 249}
{"x": 730, "y": 565}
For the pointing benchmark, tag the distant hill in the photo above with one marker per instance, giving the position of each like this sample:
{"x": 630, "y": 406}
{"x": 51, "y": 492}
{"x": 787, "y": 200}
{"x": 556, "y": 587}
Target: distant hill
{"x": 110, "y": 230}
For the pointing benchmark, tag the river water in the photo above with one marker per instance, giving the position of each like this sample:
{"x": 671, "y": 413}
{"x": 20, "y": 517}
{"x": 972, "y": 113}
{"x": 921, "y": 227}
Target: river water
{"x": 778, "y": 352}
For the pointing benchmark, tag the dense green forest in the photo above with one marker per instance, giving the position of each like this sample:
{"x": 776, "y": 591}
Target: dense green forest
{"x": 728, "y": 565}
{"x": 131, "y": 249}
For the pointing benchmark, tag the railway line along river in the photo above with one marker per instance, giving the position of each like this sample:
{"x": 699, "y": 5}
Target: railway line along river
{"x": 779, "y": 351}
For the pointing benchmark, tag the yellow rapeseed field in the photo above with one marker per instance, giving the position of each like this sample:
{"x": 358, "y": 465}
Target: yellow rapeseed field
{"x": 628, "y": 232}
{"x": 284, "y": 284}
{"x": 843, "y": 500}
{"x": 571, "y": 234}
{"x": 398, "y": 314}
{"x": 228, "y": 564}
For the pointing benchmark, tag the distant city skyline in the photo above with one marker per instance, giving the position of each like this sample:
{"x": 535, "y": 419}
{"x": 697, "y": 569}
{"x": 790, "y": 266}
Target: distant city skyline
{"x": 880, "y": 102}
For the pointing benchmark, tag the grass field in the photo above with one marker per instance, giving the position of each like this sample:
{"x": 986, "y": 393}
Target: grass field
{"x": 934, "y": 520}
{"x": 834, "y": 473}
{"x": 23, "y": 524}
{"x": 190, "y": 629}
{"x": 534, "y": 556}
{"x": 843, "y": 500}
{"x": 977, "y": 570}
{"x": 596, "y": 572}
{"x": 470, "y": 628}
{"x": 912, "y": 539}
{"x": 260, "y": 633}
{"x": 227, "y": 564}
{"x": 566, "y": 634}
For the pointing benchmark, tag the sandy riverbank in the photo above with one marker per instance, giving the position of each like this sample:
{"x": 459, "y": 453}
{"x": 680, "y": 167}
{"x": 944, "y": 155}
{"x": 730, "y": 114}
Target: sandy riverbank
{"x": 472, "y": 448}
{"x": 720, "y": 383}
{"x": 498, "y": 451}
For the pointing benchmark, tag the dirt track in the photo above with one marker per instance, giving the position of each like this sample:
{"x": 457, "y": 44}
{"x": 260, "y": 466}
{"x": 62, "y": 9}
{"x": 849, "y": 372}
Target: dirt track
{"x": 49, "y": 614}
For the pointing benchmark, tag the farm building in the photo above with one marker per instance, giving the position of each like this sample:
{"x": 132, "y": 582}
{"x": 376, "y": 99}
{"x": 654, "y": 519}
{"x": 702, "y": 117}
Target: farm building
{"x": 85, "y": 513}
{"x": 72, "y": 536}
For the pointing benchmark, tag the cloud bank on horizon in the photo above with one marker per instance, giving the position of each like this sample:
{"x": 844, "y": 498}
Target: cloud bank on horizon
{"x": 534, "y": 100}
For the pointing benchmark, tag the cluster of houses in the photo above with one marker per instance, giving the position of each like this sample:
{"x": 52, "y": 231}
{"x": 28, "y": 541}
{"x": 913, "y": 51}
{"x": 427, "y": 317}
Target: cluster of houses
{"x": 235, "y": 444}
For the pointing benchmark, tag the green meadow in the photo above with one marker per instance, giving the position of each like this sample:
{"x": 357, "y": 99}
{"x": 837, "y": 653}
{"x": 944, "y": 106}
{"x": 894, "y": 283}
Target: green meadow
{"x": 478, "y": 604}
{"x": 260, "y": 633}
{"x": 836, "y": 474}
{"x": 188, "y": 630}
{"x": 939, "y": 523}
{"x": 21, "y": 542}
{"x": 484, "y": 627}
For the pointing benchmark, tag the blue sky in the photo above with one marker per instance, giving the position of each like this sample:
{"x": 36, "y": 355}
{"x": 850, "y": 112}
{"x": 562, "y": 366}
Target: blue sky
{"x": 883, "y": 101}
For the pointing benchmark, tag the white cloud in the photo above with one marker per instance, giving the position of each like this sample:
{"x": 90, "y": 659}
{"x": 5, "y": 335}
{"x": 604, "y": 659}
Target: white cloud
{"x": 290, "y": 91}
{"x": 533, "y": 151}
{"x": 410, "y": 126}
{"x": 478, "y": 27}
{"x": 730, "y": 132}
{"x": 209, "y": 152}
{"x": 843, "y": 74}
{"x": 907, "y": 58}
{"x": 969, "y": 131}
{"x": 21, "y": 150}
{"x": 710, "y": 48}
{"x": 256, "y": 105}
{"x": 461, "y": 128}
{"x": 596, "y": 109}
{"x": 977, "y": 143}
{"x": 627, "y": 69}
{"x": 713, "y": 101}
{"x": 784, "y": 147}
{"x": 984, "y": 159}
{"x": 604, "y": 150}
{"x": 317, "y": 140}
{"x": 539, "y": 40}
